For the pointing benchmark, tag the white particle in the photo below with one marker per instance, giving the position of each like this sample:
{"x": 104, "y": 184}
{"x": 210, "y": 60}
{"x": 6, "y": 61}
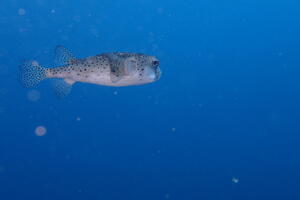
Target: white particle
{"x": 40, "y": 131}
{"x": 235, "y": 180}
{"x": 21, "y": 11}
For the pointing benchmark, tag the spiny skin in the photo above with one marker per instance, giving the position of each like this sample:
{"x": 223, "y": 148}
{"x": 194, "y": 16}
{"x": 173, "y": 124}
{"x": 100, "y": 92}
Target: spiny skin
{"x": 111, "y": 69}
{"x": 81, "y": 69}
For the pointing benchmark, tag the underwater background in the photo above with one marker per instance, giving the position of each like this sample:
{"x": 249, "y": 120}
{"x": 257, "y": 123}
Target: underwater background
{"x": 221, "y": 123}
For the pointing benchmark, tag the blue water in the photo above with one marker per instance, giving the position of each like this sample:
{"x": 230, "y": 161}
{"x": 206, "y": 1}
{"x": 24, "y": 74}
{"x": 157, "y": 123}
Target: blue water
{"x": 221, "y": 123}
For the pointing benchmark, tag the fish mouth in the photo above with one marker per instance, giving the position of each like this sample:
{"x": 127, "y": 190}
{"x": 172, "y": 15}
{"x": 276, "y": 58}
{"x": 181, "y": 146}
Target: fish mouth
{"x": 157, "y": 74}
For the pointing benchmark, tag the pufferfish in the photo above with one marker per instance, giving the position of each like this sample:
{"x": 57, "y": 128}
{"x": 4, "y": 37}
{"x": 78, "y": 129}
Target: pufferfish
{"x": 107, "y": 69}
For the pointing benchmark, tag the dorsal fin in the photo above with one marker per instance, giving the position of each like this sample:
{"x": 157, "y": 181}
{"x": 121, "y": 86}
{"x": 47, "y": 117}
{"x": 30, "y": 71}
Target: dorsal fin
{"x": 63, "y": 56}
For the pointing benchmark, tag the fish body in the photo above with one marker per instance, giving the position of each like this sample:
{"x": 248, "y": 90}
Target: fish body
{"x": 108, "y": 69}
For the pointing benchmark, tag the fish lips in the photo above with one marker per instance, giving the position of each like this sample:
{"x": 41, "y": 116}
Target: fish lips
{"x": 157, "y": 73}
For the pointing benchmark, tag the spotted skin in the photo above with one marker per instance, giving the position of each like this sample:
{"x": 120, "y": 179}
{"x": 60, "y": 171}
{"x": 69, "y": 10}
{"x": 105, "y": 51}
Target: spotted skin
{"x": 31, "y": 74}
{"x": 108, "y": 69}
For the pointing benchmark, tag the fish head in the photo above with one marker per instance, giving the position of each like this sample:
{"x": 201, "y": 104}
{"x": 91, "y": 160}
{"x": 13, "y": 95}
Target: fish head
{"x": 143, "y": 68}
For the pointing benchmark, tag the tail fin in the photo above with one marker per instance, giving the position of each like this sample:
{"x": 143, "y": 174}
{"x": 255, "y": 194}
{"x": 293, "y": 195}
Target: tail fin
{"x": 31, "y": 73}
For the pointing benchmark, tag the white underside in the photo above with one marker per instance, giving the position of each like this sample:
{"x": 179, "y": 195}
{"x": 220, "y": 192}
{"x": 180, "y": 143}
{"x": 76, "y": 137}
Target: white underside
{"x": 106, "y": 80}
{"x": 100, "y": 79}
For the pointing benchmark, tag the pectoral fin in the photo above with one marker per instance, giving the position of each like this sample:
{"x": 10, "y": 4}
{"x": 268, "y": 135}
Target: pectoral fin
{"x": 121, "y": 69}
{"x": 115, "y": 73}
{"x": 130, "y": 65}
{"x": 115, "y": 77}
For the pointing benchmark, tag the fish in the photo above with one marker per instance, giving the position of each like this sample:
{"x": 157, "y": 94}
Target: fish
{"x": 114, "y": 69}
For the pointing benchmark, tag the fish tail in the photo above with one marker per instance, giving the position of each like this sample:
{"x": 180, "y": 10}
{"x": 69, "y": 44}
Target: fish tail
{"x": 31, "y": 73}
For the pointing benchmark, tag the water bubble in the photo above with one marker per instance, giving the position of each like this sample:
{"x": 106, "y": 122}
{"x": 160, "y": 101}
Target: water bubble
{"x": 235, "y": 180}
{"x": 40, "y": 131}
{"x": 21, "y": 11}
{"x": 33, "y": 95}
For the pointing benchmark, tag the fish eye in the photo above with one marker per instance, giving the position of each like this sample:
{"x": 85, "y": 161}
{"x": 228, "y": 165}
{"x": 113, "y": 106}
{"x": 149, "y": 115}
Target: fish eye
{"x": 155, "y": 63}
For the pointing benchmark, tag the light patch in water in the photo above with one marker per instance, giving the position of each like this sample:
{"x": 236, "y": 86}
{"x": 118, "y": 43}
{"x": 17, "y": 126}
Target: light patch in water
{"x": 40, "y": 131}
{"x": 35, "y": 63}
{"x": 167, "y": 196}
{"x": 33, "y": 95}
{"x": 235, "y": 180}
{"x": 2, "y": 169}
{"x": 21, "y": 11}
